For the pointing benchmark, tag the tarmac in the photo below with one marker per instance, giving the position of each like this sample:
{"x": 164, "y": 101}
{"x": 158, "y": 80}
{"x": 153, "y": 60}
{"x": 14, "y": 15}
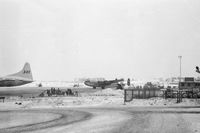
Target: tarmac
{"x": 95, "y": 111}
{"x": 104, "y": 120}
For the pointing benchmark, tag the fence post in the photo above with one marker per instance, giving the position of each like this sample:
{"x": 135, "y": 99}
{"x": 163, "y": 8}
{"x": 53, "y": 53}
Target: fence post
{"x": 177, "y": 97}
{"x": 181, "y": 96}
{"x": 150, "y": 94}
{"x": 165, "y": 94}
{"x": 124, "y": 96}
{"x": 132, "y": 94}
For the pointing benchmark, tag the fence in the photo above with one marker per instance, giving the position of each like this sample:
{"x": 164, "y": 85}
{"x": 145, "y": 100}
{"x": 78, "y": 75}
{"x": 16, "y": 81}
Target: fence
{"x": 129, "y": 94}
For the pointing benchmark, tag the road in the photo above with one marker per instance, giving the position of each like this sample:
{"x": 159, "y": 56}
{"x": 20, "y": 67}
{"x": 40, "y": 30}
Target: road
{"x": 103, "y": 120}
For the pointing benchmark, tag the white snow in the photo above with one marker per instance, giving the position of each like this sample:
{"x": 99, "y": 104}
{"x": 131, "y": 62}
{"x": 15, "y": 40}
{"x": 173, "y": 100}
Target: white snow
{"x": 106, "y": 97}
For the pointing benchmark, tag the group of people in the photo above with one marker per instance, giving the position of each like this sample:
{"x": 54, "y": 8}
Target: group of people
{"x": 56, "y": 92}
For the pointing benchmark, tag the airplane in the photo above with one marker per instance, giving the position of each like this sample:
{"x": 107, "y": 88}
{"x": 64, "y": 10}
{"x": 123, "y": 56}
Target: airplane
{"x": 20, "y": 78}
{"x": 104, "y": 83}
{"x": 197, "y": 69}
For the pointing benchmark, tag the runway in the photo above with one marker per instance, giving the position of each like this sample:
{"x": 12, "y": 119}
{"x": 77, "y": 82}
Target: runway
{"x": 104, "y": 120}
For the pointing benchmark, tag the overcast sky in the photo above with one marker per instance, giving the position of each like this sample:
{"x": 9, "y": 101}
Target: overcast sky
{"x": 67, "y": 39}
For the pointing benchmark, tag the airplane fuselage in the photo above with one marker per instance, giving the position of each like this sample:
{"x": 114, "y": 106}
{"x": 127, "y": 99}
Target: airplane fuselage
{"x": 97, "y": 84}
{"x": 10, "y": 82}
{"x": 102, "y": 84}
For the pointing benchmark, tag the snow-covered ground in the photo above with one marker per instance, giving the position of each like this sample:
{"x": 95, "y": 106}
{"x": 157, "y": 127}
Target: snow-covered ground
{"x": 106, "y": 97}
{"x": 106, "y": 107}
{"x": 108, "y": 114}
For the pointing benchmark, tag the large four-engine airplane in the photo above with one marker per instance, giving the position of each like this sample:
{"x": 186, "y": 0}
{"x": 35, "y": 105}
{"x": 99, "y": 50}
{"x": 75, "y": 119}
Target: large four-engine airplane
{"x": 22, "y": 77}
{"x": 104, "y": 83}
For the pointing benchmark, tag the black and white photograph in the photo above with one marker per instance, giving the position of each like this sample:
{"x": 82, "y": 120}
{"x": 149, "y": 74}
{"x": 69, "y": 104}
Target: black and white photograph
{"x": 99, "y": 66}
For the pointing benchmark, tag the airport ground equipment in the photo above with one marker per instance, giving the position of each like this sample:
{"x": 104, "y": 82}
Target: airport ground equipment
{"x": 189, "y": 88}
{"x": 172, "y": 93}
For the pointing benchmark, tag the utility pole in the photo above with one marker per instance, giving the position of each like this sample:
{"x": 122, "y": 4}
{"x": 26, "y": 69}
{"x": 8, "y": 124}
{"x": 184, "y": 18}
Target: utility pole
{"x": 180, "y": 57}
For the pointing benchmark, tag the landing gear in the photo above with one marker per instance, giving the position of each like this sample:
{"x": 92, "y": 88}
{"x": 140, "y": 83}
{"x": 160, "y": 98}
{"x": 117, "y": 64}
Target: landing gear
{"x": 103, "y": 87}
{"x": 94, "y": 87}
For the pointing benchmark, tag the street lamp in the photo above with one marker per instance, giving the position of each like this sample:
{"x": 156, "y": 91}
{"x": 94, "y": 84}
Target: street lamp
{"x": 180, "y": 57}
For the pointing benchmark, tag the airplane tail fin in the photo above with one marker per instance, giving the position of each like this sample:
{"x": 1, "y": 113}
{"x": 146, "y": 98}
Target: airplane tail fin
{"x": 25, "y": 72}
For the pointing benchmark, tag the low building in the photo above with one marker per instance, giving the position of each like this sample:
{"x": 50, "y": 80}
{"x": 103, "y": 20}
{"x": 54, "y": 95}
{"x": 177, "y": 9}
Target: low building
{"x": 189, "y": 84}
